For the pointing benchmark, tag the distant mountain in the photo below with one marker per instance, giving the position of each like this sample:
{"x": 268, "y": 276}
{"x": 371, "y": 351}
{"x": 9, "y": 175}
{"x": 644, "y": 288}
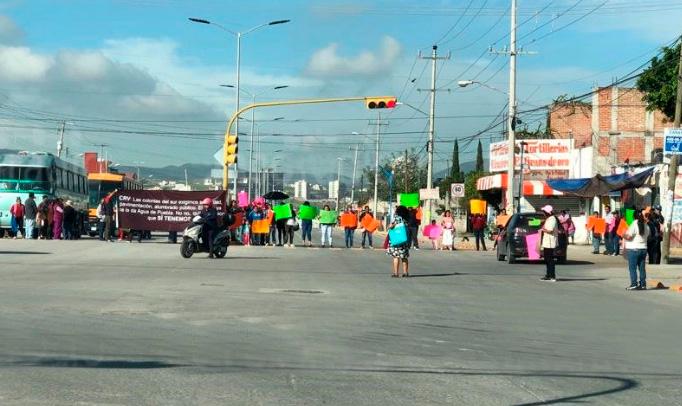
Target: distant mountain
{"x": 463, "y": 166}
{"x": 195, "y": 172}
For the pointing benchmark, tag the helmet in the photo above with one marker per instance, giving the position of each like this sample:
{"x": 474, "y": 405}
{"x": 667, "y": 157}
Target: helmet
{"x": 207, "y": 202}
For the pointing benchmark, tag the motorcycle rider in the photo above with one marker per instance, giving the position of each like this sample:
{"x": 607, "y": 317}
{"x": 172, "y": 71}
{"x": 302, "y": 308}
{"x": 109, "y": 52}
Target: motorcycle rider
{"x": 210, "y": 216}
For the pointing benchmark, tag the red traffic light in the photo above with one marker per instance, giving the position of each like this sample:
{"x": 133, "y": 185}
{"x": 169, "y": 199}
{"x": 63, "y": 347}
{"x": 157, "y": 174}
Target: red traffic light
{"x": 386, "y": 102}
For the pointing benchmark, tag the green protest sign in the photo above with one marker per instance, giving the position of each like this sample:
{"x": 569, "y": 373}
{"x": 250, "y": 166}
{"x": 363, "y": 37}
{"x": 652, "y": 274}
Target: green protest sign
{"x": 629, "y": 216}
{"x": 282, "y": 211}
{"x": 328, "y": 217}
{"x": 408, "y": 199}
{"x": 307, "y": 212}
{"x": 534, "y": 222}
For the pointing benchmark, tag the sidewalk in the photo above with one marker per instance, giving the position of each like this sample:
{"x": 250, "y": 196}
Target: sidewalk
{"x": 668, "y": 275}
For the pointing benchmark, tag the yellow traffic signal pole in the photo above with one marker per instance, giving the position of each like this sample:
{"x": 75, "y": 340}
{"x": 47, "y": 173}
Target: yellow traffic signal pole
{"x": 274, "y": 104}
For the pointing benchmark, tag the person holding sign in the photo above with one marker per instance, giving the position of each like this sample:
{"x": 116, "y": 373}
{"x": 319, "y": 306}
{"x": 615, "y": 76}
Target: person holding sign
{"x": 635, "y": 244}
{"x": 399, "y": 248}
{"x": 282, "y": 214}
{"x": 307, "y": 213}
{"x": 369, "y": 225}
{"x": 594, "y": 221}
{"x": 327, "y": 222}
{"x": 349, "y": 222}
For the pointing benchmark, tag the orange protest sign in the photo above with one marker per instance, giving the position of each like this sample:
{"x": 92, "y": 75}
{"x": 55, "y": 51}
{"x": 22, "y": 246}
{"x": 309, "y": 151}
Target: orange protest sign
{"x": 367, "y": 221}
{"x": 418, "y": 216}
{"x": 622, "y": 228}
{"x": 270, "y": 216}
{"x": 501, "y": 220}
{"x": 599, "y": 226}
{"x": 349, "y": 220}
{"x": 370, "y": 224}
{"x": 260, "y": 226}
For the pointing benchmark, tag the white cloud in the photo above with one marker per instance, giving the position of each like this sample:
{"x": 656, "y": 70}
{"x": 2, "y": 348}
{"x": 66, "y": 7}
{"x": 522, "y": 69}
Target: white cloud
{"x": 20, "y": 64}
{"x": 327, "y": 63}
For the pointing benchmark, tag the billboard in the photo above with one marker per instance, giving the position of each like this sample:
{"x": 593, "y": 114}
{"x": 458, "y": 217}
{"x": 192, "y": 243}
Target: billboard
{"x": 538, "y": 155}
{"x": 163, "y": 210}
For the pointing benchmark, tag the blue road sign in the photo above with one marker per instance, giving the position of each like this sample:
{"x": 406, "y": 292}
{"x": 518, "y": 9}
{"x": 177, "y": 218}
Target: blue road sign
{"x": 672, "y": 141}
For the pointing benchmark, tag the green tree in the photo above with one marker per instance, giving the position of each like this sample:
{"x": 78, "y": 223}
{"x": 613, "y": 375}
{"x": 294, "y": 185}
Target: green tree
{"x": 406, "y": 178}
{"x": 479, "y": 157}
{"x": 456, "y": 176}
{"x": 659, "y": 82}
{"x": 470, "y": 190}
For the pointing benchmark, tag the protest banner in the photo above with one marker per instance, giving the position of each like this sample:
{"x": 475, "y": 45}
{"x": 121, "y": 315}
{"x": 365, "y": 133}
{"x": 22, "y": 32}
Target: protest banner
{"x": 163, "y": 210}
{"x": 408, "y": 199}
{"x": 349, "y": 220}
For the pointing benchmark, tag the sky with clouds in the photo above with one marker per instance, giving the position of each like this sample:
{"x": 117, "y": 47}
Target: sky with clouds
{"x": 138, "y": 76}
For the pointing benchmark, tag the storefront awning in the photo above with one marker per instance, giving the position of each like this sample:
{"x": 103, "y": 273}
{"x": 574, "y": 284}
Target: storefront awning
{"x": 602, "y": 185}
{"x": 530, "y": 187}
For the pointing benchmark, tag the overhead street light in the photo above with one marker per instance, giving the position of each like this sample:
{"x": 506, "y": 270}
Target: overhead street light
{"x": 238, "y": 35}
{"x": 253, "y": 120}
{"x": 511, "y": 125}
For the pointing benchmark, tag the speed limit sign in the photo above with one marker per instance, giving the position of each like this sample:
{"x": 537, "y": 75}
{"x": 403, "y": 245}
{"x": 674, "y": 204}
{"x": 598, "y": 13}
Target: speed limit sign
{"x": 457, "y": 190}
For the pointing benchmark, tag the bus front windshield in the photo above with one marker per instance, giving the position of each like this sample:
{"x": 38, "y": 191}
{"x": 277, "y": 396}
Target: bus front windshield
{"x": 99, "y": 189}
{"x": 24, "y": 178}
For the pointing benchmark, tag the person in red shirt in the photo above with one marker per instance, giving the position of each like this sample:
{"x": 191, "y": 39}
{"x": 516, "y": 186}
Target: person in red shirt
{"x": 478, "y": 224}
{"x": 17, "y": 212}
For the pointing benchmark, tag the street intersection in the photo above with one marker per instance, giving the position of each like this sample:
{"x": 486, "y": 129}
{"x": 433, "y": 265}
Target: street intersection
{"x": 85, "y": 322}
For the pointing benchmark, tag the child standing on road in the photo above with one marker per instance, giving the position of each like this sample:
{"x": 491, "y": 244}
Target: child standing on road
{"x": 434, "y": 234}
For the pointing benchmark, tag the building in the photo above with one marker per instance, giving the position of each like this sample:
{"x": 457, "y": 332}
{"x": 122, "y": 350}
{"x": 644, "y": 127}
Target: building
{"x": 333, "y": 189}
{"x": 616, "y": 123}
{"x": 301, "y": 189}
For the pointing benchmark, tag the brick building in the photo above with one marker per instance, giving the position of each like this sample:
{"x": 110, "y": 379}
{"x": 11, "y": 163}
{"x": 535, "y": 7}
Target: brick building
{"x": 616, "y": 123}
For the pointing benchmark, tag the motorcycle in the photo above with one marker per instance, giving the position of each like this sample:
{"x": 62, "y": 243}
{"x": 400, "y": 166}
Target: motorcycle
{"x": 193, "y": 241}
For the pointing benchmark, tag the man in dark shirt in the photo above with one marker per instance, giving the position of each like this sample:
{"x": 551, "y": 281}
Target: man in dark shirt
{"x": 210, "y": 216}
{"x": 30, "y": 212}
{"x": 413, "y": 228}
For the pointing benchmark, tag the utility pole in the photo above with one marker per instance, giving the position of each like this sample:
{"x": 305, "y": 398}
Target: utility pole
{"x": 253, "y": 119}
{"x": 355, "y": 165}
{"x": 378, "y": 124}
{"x": 674, "y": 163}
{"x": 432, "y": 115}
{"x": 60, "y": 143}
{"x": 512, "y": 112}
{"x": 338, "y": 182}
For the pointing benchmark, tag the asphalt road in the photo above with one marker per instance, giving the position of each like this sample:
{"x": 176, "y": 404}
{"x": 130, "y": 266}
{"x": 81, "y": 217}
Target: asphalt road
{"x": 87, "y": 322}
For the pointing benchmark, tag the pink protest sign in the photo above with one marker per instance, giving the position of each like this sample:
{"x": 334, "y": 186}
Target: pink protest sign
{"x": 432, "y": 231}
{"x": 532, "y": 244}
{"x": 242, "y": 199}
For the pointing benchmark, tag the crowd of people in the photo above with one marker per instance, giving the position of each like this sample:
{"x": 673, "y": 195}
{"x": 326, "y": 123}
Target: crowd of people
{"x": 51, "y": 219}
{"x": 259, "y": 224}
{"x": 639, "y": 239}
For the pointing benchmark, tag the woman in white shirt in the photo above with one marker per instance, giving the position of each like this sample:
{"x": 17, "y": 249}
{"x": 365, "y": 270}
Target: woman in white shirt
{"x": 635, "y": 244}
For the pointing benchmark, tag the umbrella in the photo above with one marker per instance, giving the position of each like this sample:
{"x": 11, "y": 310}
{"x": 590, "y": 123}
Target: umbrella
{"x": 276, "y": 195}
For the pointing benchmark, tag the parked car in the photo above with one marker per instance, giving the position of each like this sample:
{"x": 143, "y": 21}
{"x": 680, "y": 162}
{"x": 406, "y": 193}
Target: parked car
{"x": 511, "y": 242}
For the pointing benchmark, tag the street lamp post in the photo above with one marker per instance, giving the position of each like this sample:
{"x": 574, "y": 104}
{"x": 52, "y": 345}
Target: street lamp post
{"x": 338, "y": 182}
{"x": 511, "y": 123}
{"x": 238, "y": 35}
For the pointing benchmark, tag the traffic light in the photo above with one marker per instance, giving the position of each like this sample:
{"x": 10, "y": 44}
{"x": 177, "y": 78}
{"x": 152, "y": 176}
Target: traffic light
{"x": 231, "y": 150}
{"x": 385, "y": 102}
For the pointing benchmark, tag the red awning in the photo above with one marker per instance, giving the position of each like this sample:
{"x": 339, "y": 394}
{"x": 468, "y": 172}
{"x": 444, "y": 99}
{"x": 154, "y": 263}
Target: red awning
{"x": 530, "y": 187}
